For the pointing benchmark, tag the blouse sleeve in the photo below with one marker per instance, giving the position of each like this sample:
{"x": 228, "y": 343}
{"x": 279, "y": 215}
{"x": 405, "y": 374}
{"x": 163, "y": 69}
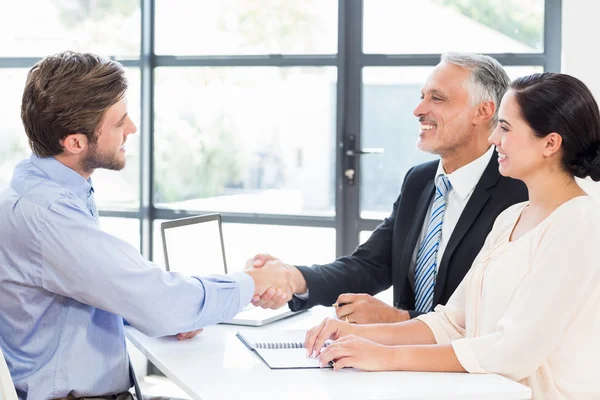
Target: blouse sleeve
{"x": 563, "y": 278}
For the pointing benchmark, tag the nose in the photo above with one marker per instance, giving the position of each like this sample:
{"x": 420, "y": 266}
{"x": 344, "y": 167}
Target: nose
{"x": 420, "y": 110}
{"x": 131, "y": 128}
{"x": 494, "y": 138}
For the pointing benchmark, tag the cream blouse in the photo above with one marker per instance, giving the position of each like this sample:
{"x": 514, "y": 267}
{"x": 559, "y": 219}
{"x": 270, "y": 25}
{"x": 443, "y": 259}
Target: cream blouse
{"x": 530, "y": 309}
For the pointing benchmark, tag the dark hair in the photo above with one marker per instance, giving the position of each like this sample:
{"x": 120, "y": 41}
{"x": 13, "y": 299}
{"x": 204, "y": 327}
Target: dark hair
{"x": 68, "y": 93}
{"x": 560, "y": 103}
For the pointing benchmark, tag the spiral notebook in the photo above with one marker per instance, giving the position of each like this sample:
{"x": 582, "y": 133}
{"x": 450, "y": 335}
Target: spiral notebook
{"x": 280, "y": 349}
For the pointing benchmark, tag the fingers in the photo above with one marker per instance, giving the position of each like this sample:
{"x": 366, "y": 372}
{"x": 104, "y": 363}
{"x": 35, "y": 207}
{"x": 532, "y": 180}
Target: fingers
{"x": 345, "y": 362}
{"x": 348, "y": 298}
{"x": 311, "y": 337}
{"x": 329, "y": 331}
{"x": 333, "y": 353}
{"x": 279, "y": 299}
{"x": 344, "y": 311}
{"x": 194, "y": 333}
{"x": 267, "y": 296}
{"x": 188, "y": 335}
{"x": 260, "y": 259}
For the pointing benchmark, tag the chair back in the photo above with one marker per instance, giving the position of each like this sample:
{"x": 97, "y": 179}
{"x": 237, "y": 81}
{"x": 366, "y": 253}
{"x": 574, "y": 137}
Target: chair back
{"x": 7, "y": 388}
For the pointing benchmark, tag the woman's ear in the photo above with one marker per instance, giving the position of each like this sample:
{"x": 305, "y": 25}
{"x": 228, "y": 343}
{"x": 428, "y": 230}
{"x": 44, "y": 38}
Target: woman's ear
{"x": 553, "y": 144}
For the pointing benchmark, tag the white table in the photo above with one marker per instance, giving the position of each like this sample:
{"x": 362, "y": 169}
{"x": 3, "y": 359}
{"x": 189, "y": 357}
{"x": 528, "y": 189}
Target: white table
{"x": 216, "y": 365}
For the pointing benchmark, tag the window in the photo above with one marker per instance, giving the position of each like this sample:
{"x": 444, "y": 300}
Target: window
{"x": 225, "y": 27}
{"x": 243, "y": 139}
{"x": 439, "y": 26}
{"x": 242, "y": 108}
{"x": 13, "y": 141}
{"x": 104, "y": 27}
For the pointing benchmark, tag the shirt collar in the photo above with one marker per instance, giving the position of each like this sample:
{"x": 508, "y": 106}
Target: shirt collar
{"x": 64, "y": 176}
{"x": 465, "y": 178}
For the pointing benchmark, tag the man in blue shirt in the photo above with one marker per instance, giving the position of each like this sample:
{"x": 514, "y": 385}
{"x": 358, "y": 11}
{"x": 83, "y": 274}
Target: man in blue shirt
{"x": 66, "y": 284}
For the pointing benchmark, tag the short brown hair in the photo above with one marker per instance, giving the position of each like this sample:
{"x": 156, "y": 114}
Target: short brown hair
{"x": 68, "y": 93}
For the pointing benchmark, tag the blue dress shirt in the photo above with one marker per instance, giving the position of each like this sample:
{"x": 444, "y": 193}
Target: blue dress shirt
{"x": 65, "y": 287}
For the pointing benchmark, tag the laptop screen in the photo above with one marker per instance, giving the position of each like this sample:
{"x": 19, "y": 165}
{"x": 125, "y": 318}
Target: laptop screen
{"x": 195, "y": 249}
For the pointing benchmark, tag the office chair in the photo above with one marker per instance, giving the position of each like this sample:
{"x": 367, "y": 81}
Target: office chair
{"x": 7, "y": 388}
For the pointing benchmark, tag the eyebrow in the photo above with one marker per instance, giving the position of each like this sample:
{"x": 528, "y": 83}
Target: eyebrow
{"x": 435, "y": 92}
{"x": 504, "y": 122}
{"x": 121, "y": 120}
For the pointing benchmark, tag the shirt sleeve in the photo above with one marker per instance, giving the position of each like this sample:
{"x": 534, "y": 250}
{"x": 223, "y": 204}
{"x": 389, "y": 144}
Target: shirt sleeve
{"x": 562, "y": 282}
{"x": 82, "y": 262}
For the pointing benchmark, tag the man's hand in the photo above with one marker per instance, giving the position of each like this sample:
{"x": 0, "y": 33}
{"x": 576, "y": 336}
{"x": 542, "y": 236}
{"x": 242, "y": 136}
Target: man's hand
{"x": 275, "y": 283}
{"x": 188, "y": 335}
{"x": 366, "y": 309}
{"x": 273, "y": 298}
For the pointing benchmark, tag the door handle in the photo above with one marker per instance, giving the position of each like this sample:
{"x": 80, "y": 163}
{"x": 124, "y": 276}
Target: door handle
{"x": 351, "y": 153}
{"x": 374, "y": 150}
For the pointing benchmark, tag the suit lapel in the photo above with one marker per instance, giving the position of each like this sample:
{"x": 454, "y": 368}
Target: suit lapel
{"x": 476, "y": 203}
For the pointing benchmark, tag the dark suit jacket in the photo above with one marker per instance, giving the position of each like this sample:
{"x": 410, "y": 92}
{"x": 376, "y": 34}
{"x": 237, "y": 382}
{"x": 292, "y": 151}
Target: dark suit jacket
{"x": 385, "y": 258}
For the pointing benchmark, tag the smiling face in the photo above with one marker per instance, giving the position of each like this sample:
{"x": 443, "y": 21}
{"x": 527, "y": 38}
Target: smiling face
{"x": 108, "y": 151}
{"x": 445, "y": 112}
{"x": 520, "y": 152}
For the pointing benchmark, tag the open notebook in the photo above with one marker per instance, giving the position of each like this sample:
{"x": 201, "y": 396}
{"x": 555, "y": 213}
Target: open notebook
{"x": 280, "y": 349}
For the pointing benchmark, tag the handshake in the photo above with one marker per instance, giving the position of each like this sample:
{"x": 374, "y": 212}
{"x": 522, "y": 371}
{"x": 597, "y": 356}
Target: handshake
{"x": 275, "y": 282}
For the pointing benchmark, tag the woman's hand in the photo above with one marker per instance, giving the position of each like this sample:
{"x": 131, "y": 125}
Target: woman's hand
{"x": 329, "y": 329}
{"x": 357, "y": 352}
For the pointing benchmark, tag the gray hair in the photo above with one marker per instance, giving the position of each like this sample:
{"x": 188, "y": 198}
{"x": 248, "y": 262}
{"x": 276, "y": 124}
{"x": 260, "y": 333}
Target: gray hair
{"x": 488, "y": 82}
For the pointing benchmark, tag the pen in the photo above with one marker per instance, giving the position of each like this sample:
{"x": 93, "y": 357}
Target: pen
{"x": 338, "y": 305}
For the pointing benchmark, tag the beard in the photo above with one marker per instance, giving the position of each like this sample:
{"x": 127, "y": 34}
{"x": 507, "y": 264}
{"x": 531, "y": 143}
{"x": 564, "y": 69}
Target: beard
{"x": 97, "y": 159}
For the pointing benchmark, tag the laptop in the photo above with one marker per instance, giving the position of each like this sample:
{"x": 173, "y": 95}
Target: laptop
{"x": 194, "y": 246}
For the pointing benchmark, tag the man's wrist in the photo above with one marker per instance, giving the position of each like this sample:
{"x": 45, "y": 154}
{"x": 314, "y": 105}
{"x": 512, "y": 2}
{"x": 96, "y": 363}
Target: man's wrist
{"x": 299, "y": 283}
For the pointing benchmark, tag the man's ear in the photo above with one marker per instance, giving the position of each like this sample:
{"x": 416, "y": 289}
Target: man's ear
{"x": 553, "y": 143}
{"x": 485, "y": 113}
{"x": 74, "y": 144}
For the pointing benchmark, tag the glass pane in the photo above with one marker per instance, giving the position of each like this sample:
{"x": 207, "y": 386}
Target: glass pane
{"x": 364, "y": 236}
{"x": 438, "y": 26}
{"x": 390, "y": 94}
{"x": 120, "y": 190}
{"x": 256, "y": 140}
{"x": 126, "y": 229}
{"x": 13, "y": 141}
{"x": 296, "y": 245}
{"x": 207, "y": 27}
{"x": 115, "y": 190}
{"x": 158, "y": 254}
{"x": 243, "y": 241}
{"x": 104, "y": 27}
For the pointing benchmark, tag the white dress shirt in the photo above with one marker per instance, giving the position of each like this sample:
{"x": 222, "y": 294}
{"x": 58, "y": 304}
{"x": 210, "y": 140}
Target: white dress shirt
{"x": 463, "y": 182}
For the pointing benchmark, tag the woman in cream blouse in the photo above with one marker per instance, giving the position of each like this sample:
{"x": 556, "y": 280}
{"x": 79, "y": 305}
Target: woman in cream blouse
{"x": 529, "y": 308}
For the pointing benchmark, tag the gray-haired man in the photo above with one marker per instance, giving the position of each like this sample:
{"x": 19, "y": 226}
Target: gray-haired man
{"x": 444, "y": 212}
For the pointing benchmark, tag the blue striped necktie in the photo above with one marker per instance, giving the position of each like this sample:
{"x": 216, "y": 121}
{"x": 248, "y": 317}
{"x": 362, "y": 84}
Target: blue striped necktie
{"x": 426, "y": 266}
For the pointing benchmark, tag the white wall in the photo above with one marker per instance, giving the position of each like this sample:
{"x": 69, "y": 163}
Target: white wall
{"x": 580, "y": 54}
